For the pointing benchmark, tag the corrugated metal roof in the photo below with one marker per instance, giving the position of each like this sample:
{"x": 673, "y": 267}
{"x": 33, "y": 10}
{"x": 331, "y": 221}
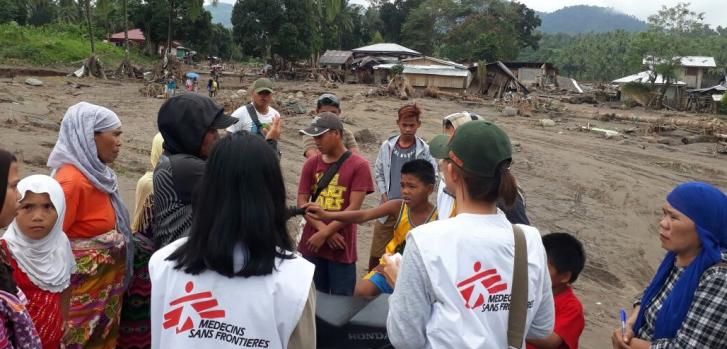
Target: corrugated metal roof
{"x": 441, "y": 70}
{"x": 644, "y": 77}
{"x": 437, "y": 60}
{"x": 335, "y": 57}
{"x": 386, "y": 48}
{"x": 134, "y": 35}
{"x": 686, "y": 61}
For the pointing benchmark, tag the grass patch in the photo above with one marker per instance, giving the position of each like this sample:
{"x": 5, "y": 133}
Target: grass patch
{"x": 57, "y": 44}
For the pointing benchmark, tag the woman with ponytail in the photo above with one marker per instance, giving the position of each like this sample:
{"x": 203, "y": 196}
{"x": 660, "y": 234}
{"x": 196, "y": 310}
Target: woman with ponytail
{"x": 685, "y": 305}
{"x": 455, "y": 283}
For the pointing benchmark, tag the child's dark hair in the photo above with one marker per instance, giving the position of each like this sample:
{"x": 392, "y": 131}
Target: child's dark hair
{"x": 566, "y": 253}
{"x": 409, "y": 110}
{"x": 421, "y": 169}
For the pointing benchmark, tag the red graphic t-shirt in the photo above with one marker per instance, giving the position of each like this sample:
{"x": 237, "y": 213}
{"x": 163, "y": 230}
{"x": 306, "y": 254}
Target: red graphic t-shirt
{"x": 569, "y": 320}
{"x": 353, "y": 175}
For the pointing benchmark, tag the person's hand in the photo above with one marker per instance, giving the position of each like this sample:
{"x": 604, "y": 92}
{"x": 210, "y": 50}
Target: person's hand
{"x": 315, "y": 211}
{"x": 336, "y": 242}
{"x": 384, "y": 198}
{"x": 316, "y": 240}
{"x": 622, "y": 342}
{"x": 275, "y": 128}
{"x": 391, "y": 269}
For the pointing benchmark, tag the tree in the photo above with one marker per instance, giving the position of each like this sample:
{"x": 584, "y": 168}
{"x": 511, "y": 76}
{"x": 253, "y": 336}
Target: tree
{"x": 192, "y": 10}
{"x": 255, "y": 23}
{"x": 41, "y": 12}
{"x": 376, "y": 38}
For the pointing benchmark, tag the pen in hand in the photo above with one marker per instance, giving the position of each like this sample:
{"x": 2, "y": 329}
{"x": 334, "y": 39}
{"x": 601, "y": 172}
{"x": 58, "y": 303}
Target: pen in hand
{"x": 623, "y": 324}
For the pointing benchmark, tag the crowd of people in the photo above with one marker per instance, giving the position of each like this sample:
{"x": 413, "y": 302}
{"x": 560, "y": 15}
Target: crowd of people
{"x": 206, "y": 258}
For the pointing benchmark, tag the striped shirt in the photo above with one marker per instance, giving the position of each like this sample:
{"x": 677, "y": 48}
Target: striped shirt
{"x": 172, "y": 217}
{"x": 705, "y": 325}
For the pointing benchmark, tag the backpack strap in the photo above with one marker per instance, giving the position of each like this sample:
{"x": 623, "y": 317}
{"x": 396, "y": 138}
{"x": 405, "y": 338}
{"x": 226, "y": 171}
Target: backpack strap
{"x": 328, "y": 175}
{"x": 517, "y": 315}
{"x": 255, "y": 119}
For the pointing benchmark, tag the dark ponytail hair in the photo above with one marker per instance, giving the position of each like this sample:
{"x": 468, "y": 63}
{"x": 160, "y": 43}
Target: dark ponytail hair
{"x": 502, "y": 187}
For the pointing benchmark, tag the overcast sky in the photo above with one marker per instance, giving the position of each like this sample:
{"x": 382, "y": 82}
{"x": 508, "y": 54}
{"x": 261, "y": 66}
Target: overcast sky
{"x": 715, "y": 11}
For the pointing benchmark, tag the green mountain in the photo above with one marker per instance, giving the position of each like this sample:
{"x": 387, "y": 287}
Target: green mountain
{"x": 222, "y": 13}
{"x": 585, "y": 19}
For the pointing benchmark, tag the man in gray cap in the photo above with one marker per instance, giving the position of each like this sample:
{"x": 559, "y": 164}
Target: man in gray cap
{"x": 328, "y": 102}
{"x": 331, "y": 245}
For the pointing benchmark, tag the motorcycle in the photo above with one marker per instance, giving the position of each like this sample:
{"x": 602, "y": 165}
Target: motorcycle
{"x": 351, "y": 322}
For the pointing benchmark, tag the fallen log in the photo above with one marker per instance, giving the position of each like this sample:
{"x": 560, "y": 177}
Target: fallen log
{"x": 708, "y": 125}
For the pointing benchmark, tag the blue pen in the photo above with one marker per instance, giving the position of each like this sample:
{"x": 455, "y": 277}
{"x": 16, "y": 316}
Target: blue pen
{"x": 623, "y": 323}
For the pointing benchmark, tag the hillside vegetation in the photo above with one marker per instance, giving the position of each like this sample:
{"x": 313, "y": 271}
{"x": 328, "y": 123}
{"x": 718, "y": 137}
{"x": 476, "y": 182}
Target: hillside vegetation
{"x": 56, "y": 45}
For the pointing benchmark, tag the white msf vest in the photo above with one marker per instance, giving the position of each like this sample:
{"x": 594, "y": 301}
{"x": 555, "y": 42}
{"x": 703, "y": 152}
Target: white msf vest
{"x": 210, "y": 310}
{"x": 469, "y": 260}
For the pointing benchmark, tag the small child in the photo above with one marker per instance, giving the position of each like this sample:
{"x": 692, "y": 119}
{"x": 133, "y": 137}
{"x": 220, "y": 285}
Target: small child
{"x": 41, "y": 255}
{"x": 171, "y": 86}
{"x": 566, "y": 259}
{"x": 412, "y": 210}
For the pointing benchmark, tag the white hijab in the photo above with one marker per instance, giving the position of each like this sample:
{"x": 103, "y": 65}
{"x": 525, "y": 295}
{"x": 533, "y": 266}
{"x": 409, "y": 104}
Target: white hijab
{"x": 48, "y": 262}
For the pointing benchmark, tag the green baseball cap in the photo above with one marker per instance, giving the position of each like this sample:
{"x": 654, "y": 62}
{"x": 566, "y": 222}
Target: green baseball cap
{"x": 476, "y": 146}
{"x": 262, "y": 84}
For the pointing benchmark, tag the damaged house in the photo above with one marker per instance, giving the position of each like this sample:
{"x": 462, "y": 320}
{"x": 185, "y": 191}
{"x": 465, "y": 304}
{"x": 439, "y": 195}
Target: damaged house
{"x": 498, "y": 80}
{"x": 426, "y": 72}
{"x": 365, "y": 58}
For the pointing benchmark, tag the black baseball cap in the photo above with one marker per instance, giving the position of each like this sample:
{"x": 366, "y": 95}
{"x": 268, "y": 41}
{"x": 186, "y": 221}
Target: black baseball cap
{"x": 323, "y": 123}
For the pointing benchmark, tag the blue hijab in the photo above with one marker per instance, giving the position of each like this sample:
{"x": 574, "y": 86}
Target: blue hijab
{"x": 707, "y": 207}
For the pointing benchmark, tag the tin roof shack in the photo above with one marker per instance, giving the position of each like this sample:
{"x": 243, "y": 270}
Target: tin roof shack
{"x": 498, "y": 80}
{"x": 642, "y": 86}
{"x": 692, "y": 68}
{"x": 388, "y": 49}
{"x": 136, "y": 36}
{"x": 539, "y": 74}
{"x": 444, "y": 77}
{"x": 336, "y": 59}
{"x": 426, "y": 60}
{"x": 705, "y": 100}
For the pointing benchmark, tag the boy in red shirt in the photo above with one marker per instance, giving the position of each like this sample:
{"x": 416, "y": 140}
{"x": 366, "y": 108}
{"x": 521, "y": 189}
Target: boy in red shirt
{"x": 331, "y": 245}
{"x": 566, "y": 259}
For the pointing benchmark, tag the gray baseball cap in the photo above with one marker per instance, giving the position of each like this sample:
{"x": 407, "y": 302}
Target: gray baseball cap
{"x": 323, "y": 123}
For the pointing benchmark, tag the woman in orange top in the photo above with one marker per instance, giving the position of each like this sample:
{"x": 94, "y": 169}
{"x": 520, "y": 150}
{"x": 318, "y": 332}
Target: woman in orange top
{"x": 96, "y": 222}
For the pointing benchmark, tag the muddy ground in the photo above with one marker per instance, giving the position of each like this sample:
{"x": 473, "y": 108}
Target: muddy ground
{"x": 608, "y": 192}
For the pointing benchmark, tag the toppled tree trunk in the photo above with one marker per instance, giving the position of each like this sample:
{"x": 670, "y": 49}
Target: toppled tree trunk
{"x": 125, "y": 70}
{"x": 92, "y": 67}
{"x": 708, "y": 125}
{"x": 399, "y": 86}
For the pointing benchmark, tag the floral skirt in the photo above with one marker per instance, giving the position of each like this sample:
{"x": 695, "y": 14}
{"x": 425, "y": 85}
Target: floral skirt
{"x": 96, "y": 290}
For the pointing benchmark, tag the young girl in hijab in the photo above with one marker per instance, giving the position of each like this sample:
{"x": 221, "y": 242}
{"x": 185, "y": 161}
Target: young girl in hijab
{"x": 96, "y": 222}
{"x": 16, "y": 326}
{"x": 684, "y": 305}
{"x": 41, "y": 255}
{"x": 135, "y": 317}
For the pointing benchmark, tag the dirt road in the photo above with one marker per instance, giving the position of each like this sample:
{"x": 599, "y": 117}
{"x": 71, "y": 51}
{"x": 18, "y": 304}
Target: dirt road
{"x": 608, "y": 192}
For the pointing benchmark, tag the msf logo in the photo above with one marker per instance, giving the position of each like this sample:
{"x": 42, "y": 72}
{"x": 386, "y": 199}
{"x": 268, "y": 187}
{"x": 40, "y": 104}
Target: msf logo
{"x": 203, "y": 304}
{"x": 473, "y": 288}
